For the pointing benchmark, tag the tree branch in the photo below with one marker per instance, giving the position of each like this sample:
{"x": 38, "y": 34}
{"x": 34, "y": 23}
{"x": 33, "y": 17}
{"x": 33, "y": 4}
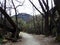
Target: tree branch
{"x": 36, "y": 8}
{"x": 20, "y": 2}
{"x": 42, "y": 6}
{"x": 46, "y": 6}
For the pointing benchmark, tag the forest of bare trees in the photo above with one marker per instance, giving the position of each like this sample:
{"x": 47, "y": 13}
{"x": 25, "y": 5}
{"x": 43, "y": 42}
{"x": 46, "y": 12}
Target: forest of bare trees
{"x": 47, "y": 22}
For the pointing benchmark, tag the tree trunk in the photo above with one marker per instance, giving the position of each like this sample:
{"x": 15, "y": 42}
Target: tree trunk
{"x": 57, "y": 2}
{"x": 46, "y": 25}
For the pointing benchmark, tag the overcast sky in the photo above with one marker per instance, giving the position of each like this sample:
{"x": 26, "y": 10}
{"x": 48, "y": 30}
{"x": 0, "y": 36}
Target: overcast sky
{"x": 27, "y": 7}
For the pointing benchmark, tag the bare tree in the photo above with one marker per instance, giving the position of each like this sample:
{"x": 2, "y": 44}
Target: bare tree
{"x": 1, "y": 13}
{"x": 14, "y": 26}
{"x": 45, "y": 15}
{"x": 15, "y": 8}
{"x": 57, "y": 2}
{"x": 50, "y": 14}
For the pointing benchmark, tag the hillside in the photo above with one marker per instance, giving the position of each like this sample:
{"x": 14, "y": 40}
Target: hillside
{"x": 24, "y": 16}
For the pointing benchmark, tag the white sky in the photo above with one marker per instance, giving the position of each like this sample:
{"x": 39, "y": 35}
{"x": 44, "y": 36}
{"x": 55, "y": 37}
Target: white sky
{"x": 27, "y": 7}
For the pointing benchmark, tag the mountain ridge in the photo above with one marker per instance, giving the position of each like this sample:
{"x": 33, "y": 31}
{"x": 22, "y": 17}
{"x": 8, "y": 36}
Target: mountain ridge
{"x": 24, "y": 16}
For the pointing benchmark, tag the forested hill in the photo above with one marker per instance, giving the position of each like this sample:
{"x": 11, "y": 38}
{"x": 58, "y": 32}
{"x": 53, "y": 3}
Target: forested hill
{"x": 24, "y": 16}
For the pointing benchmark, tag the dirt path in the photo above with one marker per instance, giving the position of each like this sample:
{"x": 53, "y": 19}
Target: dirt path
{"x": 29, "y": 39}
